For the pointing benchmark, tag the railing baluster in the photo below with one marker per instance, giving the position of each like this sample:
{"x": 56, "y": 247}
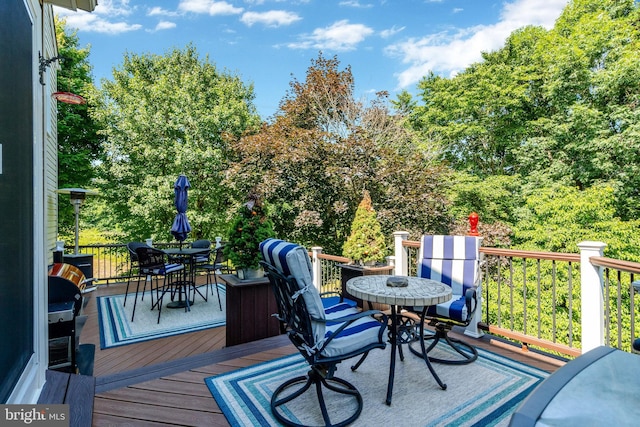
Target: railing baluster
{"x": 570, "y": 308}
{"x": 619, "y": 307}
{"x": 538, "y": 298}
{"x": 554, "y": 302}
{"x": 524, "y": 296}
{"x": 511, "y": 288}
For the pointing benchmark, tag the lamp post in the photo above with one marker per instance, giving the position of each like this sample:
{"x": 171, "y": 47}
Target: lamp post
{"x": 77, "y": 196}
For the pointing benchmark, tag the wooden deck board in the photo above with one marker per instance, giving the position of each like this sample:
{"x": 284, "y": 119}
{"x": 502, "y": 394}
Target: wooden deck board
{"x": 161, "y": 382}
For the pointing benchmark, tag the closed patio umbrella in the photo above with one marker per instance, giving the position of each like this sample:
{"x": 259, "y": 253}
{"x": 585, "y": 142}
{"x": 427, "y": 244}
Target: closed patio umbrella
{"x": 181, "y": 226}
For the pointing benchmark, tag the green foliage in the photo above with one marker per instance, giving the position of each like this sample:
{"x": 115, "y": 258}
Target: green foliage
{"x": 78, "y": 140}
{"x": 556, "y": 106}
{"x": 366, "y": 243}
{"x": 494, "y": 198}
{"x": 249, "y": 227}
{"x": 324, "y": 149}
{"x": 556, "y": 219}
{"x": 162, "y": 116}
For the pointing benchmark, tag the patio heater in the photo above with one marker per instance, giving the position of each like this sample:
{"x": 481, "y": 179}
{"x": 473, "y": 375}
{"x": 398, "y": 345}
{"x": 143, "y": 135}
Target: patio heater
{"x": 77, "y": 196}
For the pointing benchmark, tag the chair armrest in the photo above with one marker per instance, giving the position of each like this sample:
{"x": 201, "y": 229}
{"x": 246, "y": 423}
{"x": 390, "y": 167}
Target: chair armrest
{"x": 335, "y": 293}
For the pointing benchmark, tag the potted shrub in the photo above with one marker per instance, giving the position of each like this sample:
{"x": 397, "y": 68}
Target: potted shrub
{"x": 249, "y": 227}
{"x": 366, "y": 245}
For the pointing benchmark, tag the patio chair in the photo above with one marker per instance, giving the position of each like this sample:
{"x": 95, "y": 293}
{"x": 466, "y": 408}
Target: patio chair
{"x": 133, "y": 265}
{"x": 328, "y": 298}
{"x": 212, "y": 268}
{"x": 153, "y": 263}
{"x": 454, "y": 261}
{"x": 204, "y": 244}
{"x": 324, "y": 336}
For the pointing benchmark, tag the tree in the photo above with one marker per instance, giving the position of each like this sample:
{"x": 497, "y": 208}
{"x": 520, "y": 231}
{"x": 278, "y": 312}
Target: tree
{"x": 366, "y": 243}
{"x": 556, "y": 106}
{"x": 78, "y": 140}
{"x": 162, "y": 116}
{"x": 323, "y": 150}
{"x": 556, "y": 218}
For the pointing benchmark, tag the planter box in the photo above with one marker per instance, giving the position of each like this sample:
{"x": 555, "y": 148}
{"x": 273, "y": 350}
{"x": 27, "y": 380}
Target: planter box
{"x": 349, "y": 271}
{"x": 250, "y": 305}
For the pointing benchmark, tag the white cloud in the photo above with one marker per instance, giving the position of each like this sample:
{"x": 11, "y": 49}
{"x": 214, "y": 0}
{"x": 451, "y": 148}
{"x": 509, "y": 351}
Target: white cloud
{"x": 104, "y": 18}
{"x": 210, "y": 7}
{"x": 356, "y": 4}
{"x": 457, "y": 10}
{"x": 449, "y": 52}
{"x": 88, "y": 22}
{"x": 158, "y": 11}
{"x": 165, "y": 25}
{"x": 114, "y": 8}
{"x": 341, "y": 36}
{"x": 385, "y": 34}
{"x": 273, "y": 18}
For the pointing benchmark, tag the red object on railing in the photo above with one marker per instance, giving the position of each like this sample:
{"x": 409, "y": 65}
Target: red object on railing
{"x": 473, "y": 224}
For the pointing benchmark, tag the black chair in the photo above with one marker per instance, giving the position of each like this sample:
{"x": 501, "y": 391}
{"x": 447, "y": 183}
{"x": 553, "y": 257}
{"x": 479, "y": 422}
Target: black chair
{"x": 153, "y": 262}
{"x": 134, "y": 266}
{"x": 204, "y": 244}
{"x": 212, "y": 268}
{"x": 323, "y": 338}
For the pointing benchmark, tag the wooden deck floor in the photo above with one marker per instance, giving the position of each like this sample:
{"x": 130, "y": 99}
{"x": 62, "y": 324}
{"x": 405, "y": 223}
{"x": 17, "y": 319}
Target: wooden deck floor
{"x": 161, "y": 382}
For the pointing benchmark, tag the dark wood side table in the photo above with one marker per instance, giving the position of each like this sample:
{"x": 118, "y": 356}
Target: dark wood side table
{"x": 250, "y": 305}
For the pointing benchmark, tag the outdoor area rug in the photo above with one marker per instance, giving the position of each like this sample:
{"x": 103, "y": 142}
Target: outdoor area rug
{"x": 485, "y": 392}
{"x": 116, "y": 328}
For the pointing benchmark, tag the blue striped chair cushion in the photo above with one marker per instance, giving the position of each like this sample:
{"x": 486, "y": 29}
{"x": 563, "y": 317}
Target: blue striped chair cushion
{"x": 200, "y": 259}
{"x": 293, "y": 260}
{"x": 165, "y": 269}
{"x": 454, "y": 309}
{"x": 358, "y": 334}
{"x": 454, "y": 261}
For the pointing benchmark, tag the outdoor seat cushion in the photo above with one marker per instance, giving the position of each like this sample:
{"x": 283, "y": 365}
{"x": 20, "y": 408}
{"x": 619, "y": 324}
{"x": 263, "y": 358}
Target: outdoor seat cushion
{"x": 165, "y": 269}
{"x": 293, "y": 260}
{"x": 454, "y": 309}
{"x": 355, "y": 336}
{"x": 454, "y": 261}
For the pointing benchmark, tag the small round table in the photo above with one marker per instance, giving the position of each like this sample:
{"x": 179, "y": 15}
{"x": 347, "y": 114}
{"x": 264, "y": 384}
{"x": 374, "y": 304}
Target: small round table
{"x": 419, "y": 292}
{"x": 186, "y": 256}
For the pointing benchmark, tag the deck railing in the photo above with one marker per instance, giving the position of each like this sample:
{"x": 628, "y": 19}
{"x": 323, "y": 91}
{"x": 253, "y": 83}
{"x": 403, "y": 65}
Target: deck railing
{"x": 111, "y": 261}
{"x": 564, "y": 303}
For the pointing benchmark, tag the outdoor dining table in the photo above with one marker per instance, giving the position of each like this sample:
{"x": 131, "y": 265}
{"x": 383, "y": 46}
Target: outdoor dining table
{"x": 417, "y": 292}
{"x": 187, "y": 257}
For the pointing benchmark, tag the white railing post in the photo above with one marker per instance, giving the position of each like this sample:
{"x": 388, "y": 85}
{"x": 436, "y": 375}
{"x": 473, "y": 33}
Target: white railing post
{"x": 400, "y": 253}
{"x": 472, "y": 329}
{"x": 317, "y": 267}
{"x": 592, "y": 300}
{"x": 391, "y": 261}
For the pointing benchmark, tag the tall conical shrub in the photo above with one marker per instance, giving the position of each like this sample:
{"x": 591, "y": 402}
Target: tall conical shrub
{"x": 366, "y": 242}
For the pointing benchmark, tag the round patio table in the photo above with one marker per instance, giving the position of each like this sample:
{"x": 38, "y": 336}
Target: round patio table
{"x": 418, "y": 292}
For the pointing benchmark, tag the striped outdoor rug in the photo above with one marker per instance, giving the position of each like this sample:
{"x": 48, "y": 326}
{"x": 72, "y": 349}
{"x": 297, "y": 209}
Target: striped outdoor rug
{"x": 116, "y": 328}
{"x": 482, "y": 393}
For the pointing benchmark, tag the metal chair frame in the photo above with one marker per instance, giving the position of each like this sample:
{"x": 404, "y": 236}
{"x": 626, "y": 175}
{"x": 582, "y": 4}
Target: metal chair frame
{"x": 153, "y": 263}
{"x": 296, "y": 320}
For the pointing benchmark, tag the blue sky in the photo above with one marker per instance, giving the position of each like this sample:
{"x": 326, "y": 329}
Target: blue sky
{"x": 389, "y": 44}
